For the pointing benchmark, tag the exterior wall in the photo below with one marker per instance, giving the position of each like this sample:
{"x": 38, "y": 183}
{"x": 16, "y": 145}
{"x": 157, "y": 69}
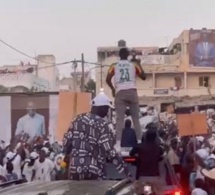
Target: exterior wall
{"x": 48, "y": 70}
{"x": 26, "y": 80}
{"x": 45, "y": 70}
{"x": 193, "y": 80}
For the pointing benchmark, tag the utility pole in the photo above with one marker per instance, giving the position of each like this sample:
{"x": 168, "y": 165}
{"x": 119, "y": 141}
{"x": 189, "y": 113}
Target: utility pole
{"x": 83, "y": 73}
{"x": 101, "y": 76}
{"x": 36, "y": 67}
{"x": 74, "y": 67}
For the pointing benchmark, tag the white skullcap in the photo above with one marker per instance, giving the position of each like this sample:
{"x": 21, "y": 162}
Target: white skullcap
{"x": 33, "y": 155}
{"x": 46, "y": 150}
{"x": 101, "y": 100}
{"x": 10, "y": 155}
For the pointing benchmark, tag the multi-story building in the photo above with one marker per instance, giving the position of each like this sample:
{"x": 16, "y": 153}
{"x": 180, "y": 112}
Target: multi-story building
{"x": 185, "y": 68}
{"x": 43, "y": 76}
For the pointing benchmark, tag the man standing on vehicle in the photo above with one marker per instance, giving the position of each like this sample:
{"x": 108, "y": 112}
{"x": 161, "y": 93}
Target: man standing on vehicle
{"x": 125, "y": 92}
{"x": 89, "y": 143}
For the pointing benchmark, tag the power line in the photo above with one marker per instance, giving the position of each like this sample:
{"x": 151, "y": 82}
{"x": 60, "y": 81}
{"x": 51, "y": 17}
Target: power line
{"x": 51, "y": 64}
{"x": 17, "y": 50}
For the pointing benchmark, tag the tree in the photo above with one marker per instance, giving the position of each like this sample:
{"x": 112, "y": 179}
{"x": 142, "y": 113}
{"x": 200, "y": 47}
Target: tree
{"x": 91, "y": 87}
{"x": 33, "y": 89}
{"x": 3, "y": 89}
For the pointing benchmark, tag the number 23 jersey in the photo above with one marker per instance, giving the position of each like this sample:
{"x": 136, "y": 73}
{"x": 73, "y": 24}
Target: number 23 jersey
{"x": 124, "y": 74}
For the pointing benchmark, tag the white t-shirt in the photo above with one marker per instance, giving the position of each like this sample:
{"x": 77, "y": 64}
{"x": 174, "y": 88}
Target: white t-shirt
{"x": 203, "y": 154}
{"x": 199, "y": 191}
{"x": 16, "y": 166}
{"x": 43, "y": 170}
{"x": 2, "y": 172}
{"x": 125, "y": 75}
{"x": 173, "y": 158}
{"x": 27, "y": 171}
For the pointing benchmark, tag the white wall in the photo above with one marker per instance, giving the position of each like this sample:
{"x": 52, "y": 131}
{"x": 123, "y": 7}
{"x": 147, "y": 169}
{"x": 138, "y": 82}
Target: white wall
{"x": 47, "y": 70}
{"x": 23, "y": 79}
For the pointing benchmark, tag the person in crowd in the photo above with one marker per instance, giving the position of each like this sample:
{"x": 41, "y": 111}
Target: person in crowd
{"x": 58, "y": 162}
{"x": 16, "y": 160}
{"x": 27, "y": 167}
{"x": 148, "y": 164}
{"x": 10, "y": 176}
{"x": 173, "y": 156}
{"x": 199, "y": 188}
{"x": 2, "y": 174}
{"x": 187, "y": 168}
{"x": 211, "y": 122}
{"x": 88, "y": 143}
{"x": 43, "y": 167}
{"x": 125, "y": 92}
{"x": 129, "y": 138}
{"x": 32, "y": 123}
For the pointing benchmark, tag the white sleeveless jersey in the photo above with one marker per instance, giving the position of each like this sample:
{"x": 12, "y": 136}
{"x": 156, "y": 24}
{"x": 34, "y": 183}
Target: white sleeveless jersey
{"x": 125, "y": 75}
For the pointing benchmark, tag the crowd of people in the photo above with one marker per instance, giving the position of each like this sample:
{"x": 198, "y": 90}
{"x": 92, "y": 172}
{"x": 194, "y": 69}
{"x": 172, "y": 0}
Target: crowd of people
{"x": 92, "y": 140}
{"x": 40, "y": 161}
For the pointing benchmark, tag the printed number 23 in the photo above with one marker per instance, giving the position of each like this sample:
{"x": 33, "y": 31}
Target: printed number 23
{"x": 124, "y": 74}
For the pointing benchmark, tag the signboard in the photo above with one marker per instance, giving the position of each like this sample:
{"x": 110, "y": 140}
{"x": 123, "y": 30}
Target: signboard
{"x": 54, "y": 113}
{"x": 192, "y": 124}
{"x": 161, "y": 91}
{"x": 152, "y": 59}
{"x": 70, "y": 105}
{"x": 202, "y": 48}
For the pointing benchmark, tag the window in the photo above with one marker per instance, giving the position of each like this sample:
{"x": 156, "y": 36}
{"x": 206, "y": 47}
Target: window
{"x": 178, "y": 82}
{"x": 204, "y": 81}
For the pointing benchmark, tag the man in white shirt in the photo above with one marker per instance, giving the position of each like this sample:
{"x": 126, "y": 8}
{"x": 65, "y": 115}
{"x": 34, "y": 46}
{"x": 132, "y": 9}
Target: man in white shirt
{"x": 16, "y": 160}
{"x": 32, "y": 123}
{"x": 28, "y": 165}
{"x": 125, "y": 92}
{"x": 43, "y": 167}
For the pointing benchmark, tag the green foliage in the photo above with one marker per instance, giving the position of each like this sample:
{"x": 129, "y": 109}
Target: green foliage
{"x": 91, "y": 87}
{"x": 3, "y": 89}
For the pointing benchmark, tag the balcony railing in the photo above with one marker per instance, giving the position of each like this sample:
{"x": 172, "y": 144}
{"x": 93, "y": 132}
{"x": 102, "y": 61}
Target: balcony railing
{"x": 158, "y": 92}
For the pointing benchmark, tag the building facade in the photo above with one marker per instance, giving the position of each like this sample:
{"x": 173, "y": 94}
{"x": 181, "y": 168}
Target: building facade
{"x": 73, "y": 83}
{"x": 47, "y": 69}
{"x": 42, "y": 76}
{"x": 185, "y": 68}
{"x": 23, "y": 82}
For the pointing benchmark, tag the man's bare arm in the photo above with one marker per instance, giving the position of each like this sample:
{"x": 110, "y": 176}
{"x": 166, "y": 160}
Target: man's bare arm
{"x": 109, "y": 77}
{"x": 140, "y": 71}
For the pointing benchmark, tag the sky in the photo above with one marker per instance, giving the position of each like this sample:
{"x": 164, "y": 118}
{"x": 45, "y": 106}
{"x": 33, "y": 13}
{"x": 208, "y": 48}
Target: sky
{"x": 67, "y": 28}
